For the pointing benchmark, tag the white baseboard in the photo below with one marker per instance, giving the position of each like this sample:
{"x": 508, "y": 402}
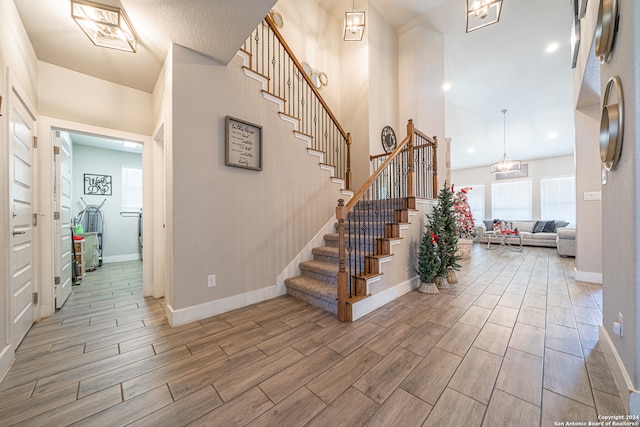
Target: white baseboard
{"x": 120, "y": 258}
{"x": 202, "y": 311}
{"x": 376, "y": 301}
{"x": 587, "y": 276}
{"x": 7, "y": 356}
{"x": 630, "y": 396}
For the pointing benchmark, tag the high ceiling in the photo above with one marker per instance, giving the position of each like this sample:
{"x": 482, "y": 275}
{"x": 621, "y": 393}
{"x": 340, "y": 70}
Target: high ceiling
{"x": 503, "y": 66}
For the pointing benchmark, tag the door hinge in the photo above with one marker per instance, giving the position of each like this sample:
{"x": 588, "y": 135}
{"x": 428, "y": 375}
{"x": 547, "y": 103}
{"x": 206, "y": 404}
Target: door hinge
{"x": 35, "y": 219}
{"x": 35, "y": 142}
{"x": 35, "y": 298}
{"x": 56, "y": 280}
{"x": 56, "y": 150}
{"x": 56, "y": 215}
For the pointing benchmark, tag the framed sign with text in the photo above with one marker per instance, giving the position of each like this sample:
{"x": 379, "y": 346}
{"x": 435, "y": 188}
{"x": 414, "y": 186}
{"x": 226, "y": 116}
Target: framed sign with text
{"x": 243, "y": 144}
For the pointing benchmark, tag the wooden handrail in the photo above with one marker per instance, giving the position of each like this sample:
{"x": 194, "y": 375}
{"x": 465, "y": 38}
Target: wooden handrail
{"x": 273, "y": 27}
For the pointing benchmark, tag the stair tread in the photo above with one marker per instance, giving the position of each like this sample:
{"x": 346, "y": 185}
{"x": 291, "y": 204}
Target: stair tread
{"x": 322, "y": 266}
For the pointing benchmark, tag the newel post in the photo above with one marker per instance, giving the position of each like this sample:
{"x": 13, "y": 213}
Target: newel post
{"x": 344, "y": 311}
{"x": 435, "y": 167}
{"x": 411, "y": 134}
{"x": 348, "y": 174}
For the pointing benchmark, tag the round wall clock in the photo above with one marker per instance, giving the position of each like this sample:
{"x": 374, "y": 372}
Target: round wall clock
{"x": 389, "y": 142}
{"x": 606, "y": 26}
{"x": 612, "y": 125}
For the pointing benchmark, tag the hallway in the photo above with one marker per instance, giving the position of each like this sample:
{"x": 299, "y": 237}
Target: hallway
{"x": 515, "y": 343}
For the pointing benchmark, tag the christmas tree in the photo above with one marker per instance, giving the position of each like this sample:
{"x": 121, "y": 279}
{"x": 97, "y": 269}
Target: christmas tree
{"x": 428, "y": 261}
{"x": 462, "y": 214}
{"x": 444, "y": 225}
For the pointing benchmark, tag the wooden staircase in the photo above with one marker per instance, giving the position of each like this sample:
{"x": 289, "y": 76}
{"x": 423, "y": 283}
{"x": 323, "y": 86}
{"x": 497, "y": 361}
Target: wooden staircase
{"x": 317, "y": 282}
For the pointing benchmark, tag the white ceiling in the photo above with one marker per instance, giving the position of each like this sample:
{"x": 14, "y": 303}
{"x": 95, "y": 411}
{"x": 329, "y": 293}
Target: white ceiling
{"x": 501, "y": 66}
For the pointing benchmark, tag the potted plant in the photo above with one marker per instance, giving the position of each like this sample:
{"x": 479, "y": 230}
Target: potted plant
{"x": 445, "y": 225}
{"x": 428, "y": 262}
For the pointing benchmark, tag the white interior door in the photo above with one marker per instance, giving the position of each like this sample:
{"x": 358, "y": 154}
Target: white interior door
{"x": 62, "y": 196}
{"x": 21, "y": 170}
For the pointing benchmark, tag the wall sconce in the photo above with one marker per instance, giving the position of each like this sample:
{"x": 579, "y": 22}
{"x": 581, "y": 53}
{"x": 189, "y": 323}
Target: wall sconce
{"x": 354, "y": 23}
{"x": 481, "y": 13}
{"x": 105, "y": 26}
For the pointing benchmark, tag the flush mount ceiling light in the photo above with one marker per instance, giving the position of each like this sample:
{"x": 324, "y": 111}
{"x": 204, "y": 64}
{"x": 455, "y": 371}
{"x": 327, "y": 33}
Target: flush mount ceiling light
{"x": 481, "y": 13}
{"x": 505, "y": 165}
{"x": 106, "y": 26}
{"x": 354, "y": 23}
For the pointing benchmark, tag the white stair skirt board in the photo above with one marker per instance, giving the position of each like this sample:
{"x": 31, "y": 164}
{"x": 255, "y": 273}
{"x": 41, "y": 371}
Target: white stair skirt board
{"x": 274, "y": 99}
{"x": 293, "y": 269}
{"x": 303, "y": 137}
{"x": 328, "y": 168}
{"x": 262, "y": 79}
{"x": 586, "y": 276}
{"x": 212, "y": 308}
{"x": 290, "y": 119}
{"x": 245, "y": 57}
{"x": 376, "y": 301}
{"x": 629, "y": 395}
{"x": 318, "y": 154}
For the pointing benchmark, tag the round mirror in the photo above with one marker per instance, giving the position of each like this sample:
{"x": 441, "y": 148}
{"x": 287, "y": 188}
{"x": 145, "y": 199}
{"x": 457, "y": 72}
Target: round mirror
{"x": 611, "y": 126}
{"x": 323, "y": 78}
{"x": 315, "y": 79}
{"x": 277, "y": 18}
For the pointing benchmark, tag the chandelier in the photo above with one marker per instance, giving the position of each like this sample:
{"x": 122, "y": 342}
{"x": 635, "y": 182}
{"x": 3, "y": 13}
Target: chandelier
{"x": 481, "y": 13}
{"x": 505, "y": 165}
{"x": 354, "y": 24}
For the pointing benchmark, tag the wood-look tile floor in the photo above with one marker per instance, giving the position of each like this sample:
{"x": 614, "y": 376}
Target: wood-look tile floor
{"x": 514, "y": 343}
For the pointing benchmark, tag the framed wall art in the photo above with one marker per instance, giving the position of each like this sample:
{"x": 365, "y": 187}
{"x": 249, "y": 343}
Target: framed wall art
{"x": 243, "y": 144}
{"x": 97, "y": 184}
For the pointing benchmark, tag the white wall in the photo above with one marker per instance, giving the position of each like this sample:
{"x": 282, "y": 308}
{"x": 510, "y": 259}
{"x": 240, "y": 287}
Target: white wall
{"x": 538, "y": 169}
{"x": 621, "y": 208}
{"x": 120, "y": 239}
{"x": 421, "y": 75}
{"x": 69, "y": 95}
{"x": 243, "y": 226}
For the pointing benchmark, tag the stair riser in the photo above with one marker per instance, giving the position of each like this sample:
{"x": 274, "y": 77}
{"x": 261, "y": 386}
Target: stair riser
{"x": 327, "y": 258}
{"x": 330, "y": 306}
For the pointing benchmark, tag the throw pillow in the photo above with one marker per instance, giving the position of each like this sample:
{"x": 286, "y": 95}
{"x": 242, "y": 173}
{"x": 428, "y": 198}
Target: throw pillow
{"x": 549, "y": 227}
{"x": 539, "y": 227}
{"x": 560, "y": 224}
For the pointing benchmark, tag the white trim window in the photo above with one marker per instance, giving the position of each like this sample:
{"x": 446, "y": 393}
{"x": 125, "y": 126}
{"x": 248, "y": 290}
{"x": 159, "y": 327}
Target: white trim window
{"x": 558, "y": 198}
{"x": 511, "y": 200}
{"x": 131, "y": 188}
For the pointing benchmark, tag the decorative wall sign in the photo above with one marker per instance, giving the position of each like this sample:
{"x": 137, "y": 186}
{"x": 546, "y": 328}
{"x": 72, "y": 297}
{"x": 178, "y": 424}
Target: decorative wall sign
{"x": 243, "y": 144}
{"x": 97, "y": 184}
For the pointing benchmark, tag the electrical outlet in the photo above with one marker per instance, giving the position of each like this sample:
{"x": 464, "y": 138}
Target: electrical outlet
{"x": 618, "y": 327}
{"x": 211, "y": 282}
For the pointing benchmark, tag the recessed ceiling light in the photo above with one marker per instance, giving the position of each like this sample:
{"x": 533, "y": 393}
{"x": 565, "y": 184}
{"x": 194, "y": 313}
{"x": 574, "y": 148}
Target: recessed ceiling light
{"x": 552, "y": 47}
{"x": 552, "y": 135}
{"x": 471, "y": 150}
{"x": 446, "y": 86}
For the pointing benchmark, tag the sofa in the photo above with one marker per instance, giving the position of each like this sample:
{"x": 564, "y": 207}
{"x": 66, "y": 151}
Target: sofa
{"x": 533, "y": 233}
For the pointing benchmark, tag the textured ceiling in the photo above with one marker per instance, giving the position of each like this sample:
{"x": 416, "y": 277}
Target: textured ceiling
{"x": 501, "y": 66}
{"x": 215, "y": 28}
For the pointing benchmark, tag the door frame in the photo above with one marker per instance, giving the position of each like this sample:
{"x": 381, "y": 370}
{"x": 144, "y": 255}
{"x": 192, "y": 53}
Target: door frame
{"x": 47, "y": 125}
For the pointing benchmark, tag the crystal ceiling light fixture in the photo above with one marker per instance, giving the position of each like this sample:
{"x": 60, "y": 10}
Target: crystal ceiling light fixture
{"x": 354, "y": 23}
{"x": 481, "y": 13}
{"x": 106, "y": 26}
{"x": 505, "y": 165}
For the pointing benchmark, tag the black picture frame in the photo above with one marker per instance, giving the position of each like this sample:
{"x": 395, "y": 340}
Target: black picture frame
{"x": 101, "y": 185}
{"x": 243, "y": 144}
